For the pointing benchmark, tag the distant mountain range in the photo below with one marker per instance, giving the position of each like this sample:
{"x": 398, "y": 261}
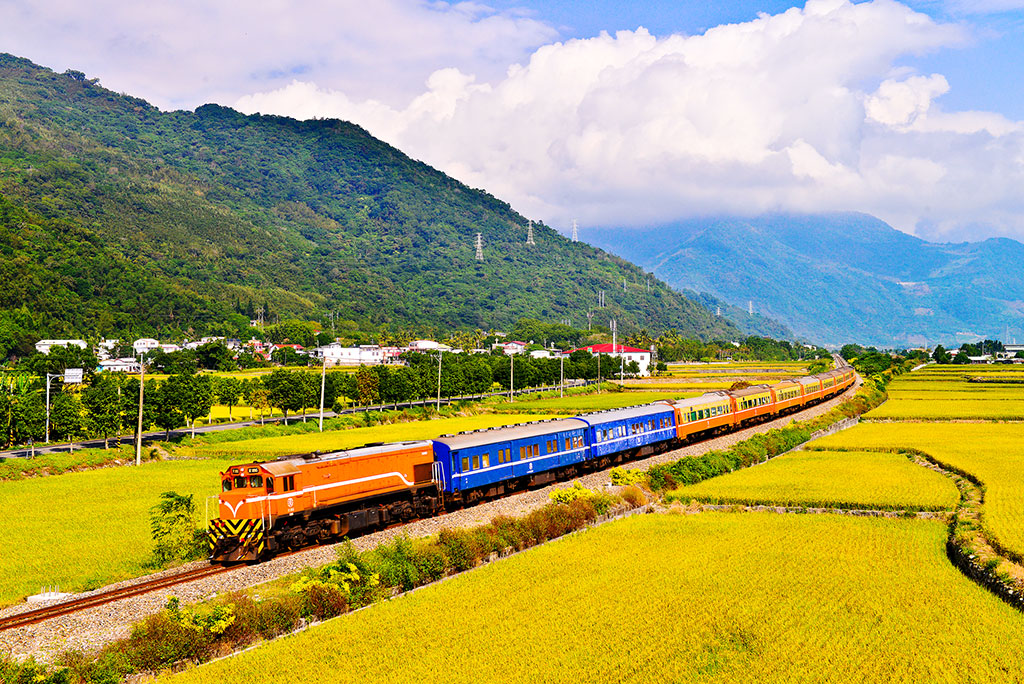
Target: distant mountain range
{"x": 118, "y": 219}
{"x": 837, "y": 278}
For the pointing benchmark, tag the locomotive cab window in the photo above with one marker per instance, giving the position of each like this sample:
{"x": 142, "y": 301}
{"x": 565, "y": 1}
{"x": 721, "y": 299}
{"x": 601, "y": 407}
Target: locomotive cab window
{"x": 255, "y": 481}
{"x": 239, "y": 481}
{"x": 226, "y": 485}
{"x": 270, "y": 485}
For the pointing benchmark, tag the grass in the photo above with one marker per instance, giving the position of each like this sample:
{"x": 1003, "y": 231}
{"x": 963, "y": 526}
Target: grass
{"x": 709, "y": 598}
{"x": 993, "y": 452}
{"x": 270, "y": 447}
{"x": 83, "y": 530}
{"x": 845, "y": 479}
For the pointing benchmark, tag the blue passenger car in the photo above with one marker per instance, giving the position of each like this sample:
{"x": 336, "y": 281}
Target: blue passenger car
{"x": 610, "y": 432}
{"x": 487, "y": 457}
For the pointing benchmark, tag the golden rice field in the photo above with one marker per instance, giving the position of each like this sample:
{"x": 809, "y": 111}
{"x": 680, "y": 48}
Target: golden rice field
{"x": 271, "y": 447}
{"x": 680, "y": 386}
{"x": 87, "y": 529}
{"x": 939, "y": 409}
{"x": 661, "y": 598}
{"x": 845, "y": 479}
{"x": 992, "y": 393}
{"x": 993, "y": 452}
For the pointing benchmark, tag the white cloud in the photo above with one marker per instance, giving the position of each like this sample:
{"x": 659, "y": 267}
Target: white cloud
{"x": 808, "y": 110}
{"x": 183, "y": 53}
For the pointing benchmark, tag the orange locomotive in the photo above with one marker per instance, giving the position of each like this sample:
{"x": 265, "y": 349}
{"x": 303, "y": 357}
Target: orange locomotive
{"x": 292, "y": 501}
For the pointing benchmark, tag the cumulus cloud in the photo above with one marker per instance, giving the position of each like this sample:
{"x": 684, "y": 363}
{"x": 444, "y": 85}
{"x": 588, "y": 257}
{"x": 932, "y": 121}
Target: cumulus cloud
{"x": 183, "y": 53}
{"x": 806, "y": 110}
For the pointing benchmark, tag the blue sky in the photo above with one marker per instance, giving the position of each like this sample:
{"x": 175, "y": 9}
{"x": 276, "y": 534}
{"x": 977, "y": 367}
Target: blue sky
{"x": 909, "y": 111}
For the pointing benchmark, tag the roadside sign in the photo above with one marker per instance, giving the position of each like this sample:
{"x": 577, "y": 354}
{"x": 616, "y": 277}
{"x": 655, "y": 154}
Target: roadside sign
{"x": 72, "y": 376}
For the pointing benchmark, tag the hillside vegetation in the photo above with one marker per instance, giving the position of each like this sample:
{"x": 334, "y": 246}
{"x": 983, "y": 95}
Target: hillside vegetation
{"x": 118, "y": 217}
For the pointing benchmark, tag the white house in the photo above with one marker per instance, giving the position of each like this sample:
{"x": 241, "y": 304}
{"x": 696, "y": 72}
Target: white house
{"x": 43, "y": 346}
{"x": 334, "y": 354}
{"x": 427, "y": 345}
{"x": 144, "y": 345}
{"x": 509, "y": 348}
{"x": 641, "y": 356}
{"x": 129, "y": 365}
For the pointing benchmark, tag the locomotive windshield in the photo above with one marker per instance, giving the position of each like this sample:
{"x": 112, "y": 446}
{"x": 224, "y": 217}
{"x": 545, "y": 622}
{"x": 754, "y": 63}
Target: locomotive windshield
{"x": 226, "y": 485}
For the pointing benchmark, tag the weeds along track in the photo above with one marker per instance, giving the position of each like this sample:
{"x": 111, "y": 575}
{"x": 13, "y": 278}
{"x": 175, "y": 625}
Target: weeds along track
{"x": 73, "y": 606}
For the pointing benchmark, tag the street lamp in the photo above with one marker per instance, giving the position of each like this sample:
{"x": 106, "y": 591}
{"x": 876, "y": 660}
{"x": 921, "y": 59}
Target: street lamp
{"x": 70, "y": 376}
{"x": 323, "y": 384}
{"x": 440, "y": 355}
{"x": 142, "y": 392}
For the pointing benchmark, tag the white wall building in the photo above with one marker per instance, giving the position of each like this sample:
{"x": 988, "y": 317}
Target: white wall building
{"x": 336, "y": 355}
{"x": 43, "y": 346}
{"x": 128, "y": 365}
{"x": 144, "y": 345}
{"x": 641, "y": 356}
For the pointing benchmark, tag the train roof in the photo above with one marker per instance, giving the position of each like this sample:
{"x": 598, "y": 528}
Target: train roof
{"x": 289, "y": 465}
{"x": 510, "y": 432}
{"x": 599, "y": 417}
{"x": 808, "y": 379}
{"x": 702, "y": 400}
{"x": 747, "y": 391}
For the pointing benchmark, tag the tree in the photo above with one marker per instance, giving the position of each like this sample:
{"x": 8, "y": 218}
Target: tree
{"x": 961, "y": 358}
{"x": 197, "y": 400}
{"x": 176, "y": 536}
{"x": 256, "y": 395}
{"x": 367, "y": 386}
{"x": 29, "y": 417}
{"x": 103, "y": 407}
{"x": 215, "y": 356}
{"x": 284, "y": 391}
{"x": 167, "y": 404}
{"x": 229, "y": 391}
{"x": 941, "y": 355}
{"x": 66, "y": 417}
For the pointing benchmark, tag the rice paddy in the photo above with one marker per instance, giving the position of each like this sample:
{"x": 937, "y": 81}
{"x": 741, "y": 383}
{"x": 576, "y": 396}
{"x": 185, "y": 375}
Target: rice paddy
{"x": 84, "y": 530}
{"x": 992, "y": 452}
{"x": 844, "y": 479}
{"x": 710, "y": 598}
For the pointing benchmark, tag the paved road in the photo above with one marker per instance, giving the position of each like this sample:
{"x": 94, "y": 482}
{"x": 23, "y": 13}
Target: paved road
{"x": 27, "y": 452}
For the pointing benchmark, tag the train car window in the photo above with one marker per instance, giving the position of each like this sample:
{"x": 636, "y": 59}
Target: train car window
{"x": 239, "y": 481}
{"x": 289, "y": 483}
{"x": 226, "y": 485}
{"x": 270, "y": 485}
{"x": 465, "y": 463}
{"x": 255, "y": 481}
{"x": 522, "y": 453}
{"x": 536, "y": 450}
{"x": 476, "y": 461}
{"x": 485, "y": 460}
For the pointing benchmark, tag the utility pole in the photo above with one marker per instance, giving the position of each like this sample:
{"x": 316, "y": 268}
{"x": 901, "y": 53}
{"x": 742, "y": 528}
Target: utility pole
{"x": 511, "y": 376}
{"x": 142, "y": 390}
{"x": 323, "y": 386}
{"x": 440, "y": 355}
{"x": 561, "y": 375}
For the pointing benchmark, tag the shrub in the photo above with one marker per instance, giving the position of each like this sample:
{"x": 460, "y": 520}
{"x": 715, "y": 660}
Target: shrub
{"x": 634, "y": 496}
{"x": 623, "y": 476}
{"x": 570, "y": 494}
{"x": 458, "y": 552}
{"x": 173, "y": 525}
{"x": 395, "y": 563}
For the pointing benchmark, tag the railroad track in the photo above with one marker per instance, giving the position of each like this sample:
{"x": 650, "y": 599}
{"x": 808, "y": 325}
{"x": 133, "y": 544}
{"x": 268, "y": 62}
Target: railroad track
{"x": 67, "y": 607}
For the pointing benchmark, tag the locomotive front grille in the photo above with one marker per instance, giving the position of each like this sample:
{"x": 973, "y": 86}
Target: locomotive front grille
{"x": 234, "y": 540}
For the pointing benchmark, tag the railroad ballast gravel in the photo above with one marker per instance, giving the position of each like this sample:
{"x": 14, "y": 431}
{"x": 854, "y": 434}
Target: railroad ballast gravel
{"x": 91, "y": 629}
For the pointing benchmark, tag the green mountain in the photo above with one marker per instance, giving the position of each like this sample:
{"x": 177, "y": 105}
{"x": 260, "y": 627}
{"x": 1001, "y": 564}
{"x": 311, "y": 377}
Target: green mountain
{"x": 117, "y": 219}
{"x": 839, "y": 278}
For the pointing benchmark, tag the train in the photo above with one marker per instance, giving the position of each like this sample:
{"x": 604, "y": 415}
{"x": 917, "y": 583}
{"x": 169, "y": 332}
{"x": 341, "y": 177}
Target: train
{"x": 267, "y": 507}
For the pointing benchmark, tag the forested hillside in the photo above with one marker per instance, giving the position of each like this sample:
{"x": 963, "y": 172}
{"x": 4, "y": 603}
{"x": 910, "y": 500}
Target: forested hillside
{"x": 120, "y": 219}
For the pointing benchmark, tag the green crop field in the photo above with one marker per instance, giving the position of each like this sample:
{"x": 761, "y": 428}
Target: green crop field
{"x": 271, "y": 447}
{"x": 993, "y": 452}
{"x": 849, "y": 479}
{"x": 938, "y": 409}
{"x": 663, "y": 598}
{"x": 583, "y": 403}
{"x": 87, "y": 529}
